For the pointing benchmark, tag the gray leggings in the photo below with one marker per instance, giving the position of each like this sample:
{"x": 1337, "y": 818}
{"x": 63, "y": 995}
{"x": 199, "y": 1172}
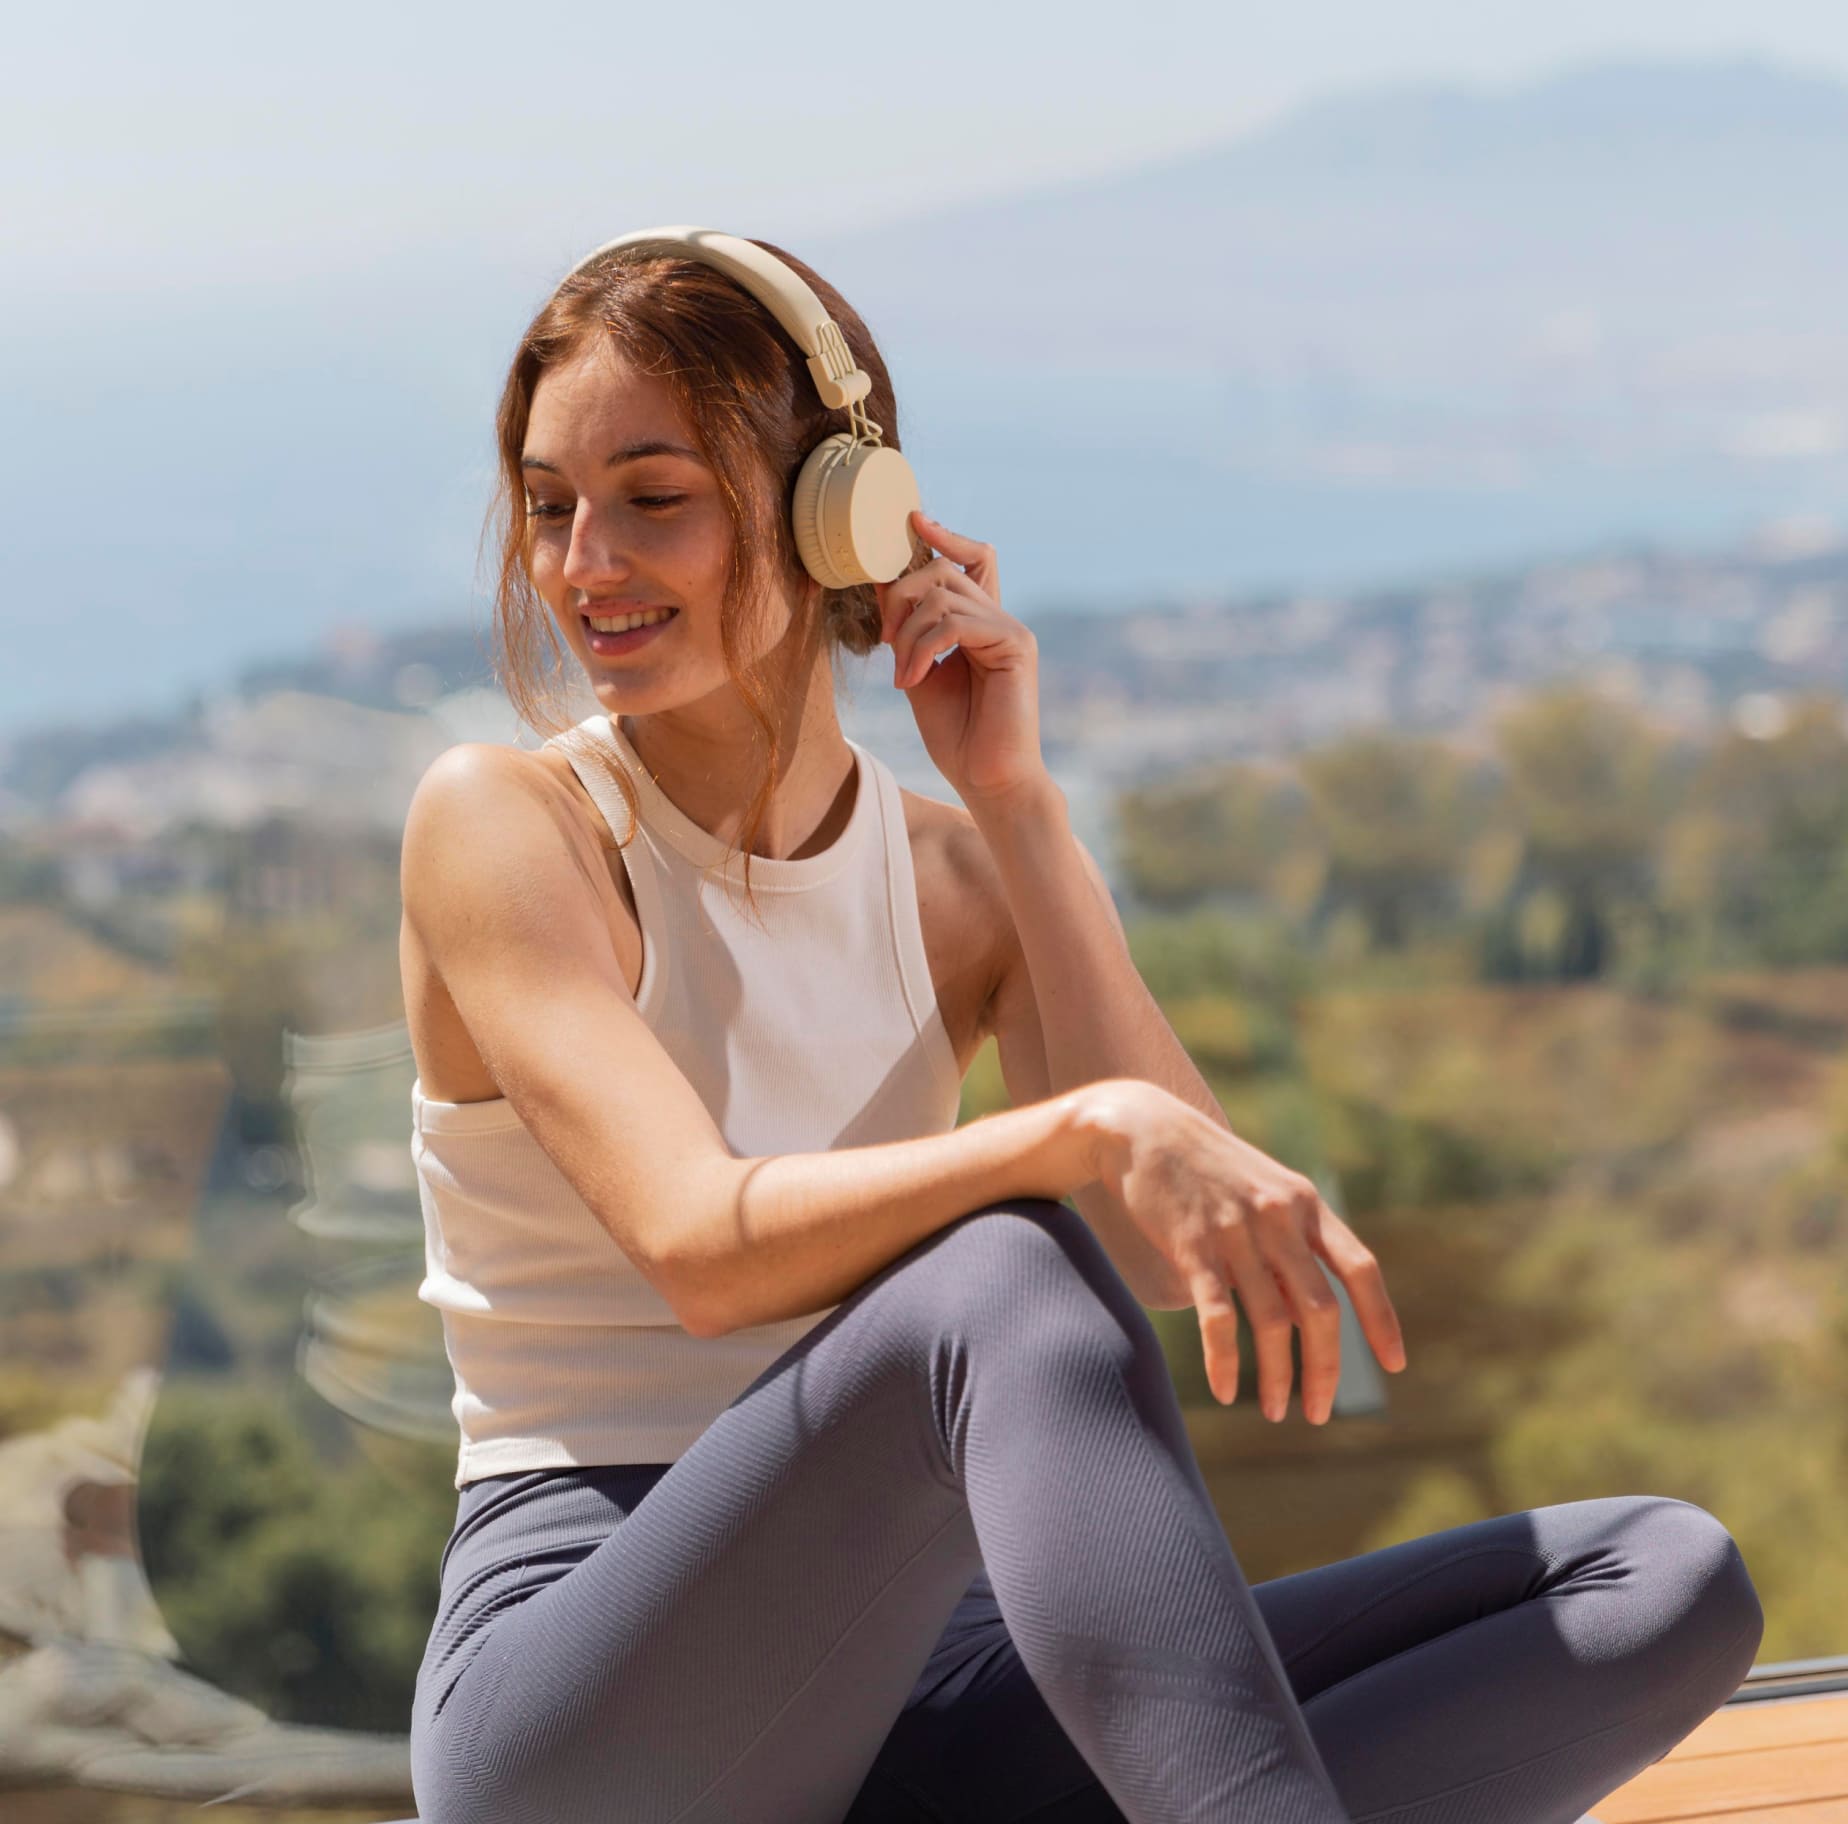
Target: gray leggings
{"x": 950, "y": 1558}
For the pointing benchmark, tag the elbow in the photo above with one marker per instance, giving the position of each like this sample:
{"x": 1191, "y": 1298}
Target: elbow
{"x": 700, "y": 1319}
{"x": 692, "y": 1295}
{"x": 678, "y": 1259}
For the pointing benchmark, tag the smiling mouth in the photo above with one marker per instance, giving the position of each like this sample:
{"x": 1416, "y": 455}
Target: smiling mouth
{"x": 627, "y": 623}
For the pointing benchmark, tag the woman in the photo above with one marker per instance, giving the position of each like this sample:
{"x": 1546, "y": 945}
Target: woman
{"x": 818, "y": 1461}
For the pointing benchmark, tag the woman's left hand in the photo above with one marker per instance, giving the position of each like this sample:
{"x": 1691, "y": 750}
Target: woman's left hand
{"x": 978, "y": 709}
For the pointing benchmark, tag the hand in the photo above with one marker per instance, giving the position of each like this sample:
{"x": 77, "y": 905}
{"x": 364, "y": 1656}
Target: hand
{"x": 1224, "y": 1214}
{"x": 978, "y": 708}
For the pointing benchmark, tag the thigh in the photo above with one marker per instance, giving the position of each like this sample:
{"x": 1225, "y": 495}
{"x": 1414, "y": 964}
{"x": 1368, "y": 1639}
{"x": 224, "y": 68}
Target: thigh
{"x": 739, "y": 1644}
{"x": 976, "y": 1742}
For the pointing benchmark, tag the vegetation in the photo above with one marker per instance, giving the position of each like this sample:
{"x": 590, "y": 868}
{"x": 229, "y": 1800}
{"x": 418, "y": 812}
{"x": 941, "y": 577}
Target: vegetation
{"x": 303, "y": 1584}
{"x": 1561, "y": 1026}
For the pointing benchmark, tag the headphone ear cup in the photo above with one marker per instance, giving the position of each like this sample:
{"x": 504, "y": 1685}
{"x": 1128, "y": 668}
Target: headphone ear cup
{"x": 852, "y": 512}
{"x": 813, "y": 543}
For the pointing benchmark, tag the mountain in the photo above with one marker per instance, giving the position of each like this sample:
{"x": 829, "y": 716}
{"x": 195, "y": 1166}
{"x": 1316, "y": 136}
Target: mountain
{"x": 1399, "y": 331}
{"x": 1608, "y": 214}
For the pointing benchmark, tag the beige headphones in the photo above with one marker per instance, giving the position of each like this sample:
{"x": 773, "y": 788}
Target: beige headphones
{"x": 854, "y": 497}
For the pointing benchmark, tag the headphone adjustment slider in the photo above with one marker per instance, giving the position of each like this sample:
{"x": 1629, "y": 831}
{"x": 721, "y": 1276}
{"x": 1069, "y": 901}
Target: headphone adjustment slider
{"x": 837, "y": 379}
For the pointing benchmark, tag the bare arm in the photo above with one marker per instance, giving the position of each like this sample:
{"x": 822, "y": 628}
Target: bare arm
{"x": 798, "y": 1232}
{"x": 502, "y": 893}
{"x": 1070, "y": 1007}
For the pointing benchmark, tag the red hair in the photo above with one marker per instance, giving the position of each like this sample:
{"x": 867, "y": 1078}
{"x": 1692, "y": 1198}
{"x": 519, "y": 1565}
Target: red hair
{"x": 743, "y": 387}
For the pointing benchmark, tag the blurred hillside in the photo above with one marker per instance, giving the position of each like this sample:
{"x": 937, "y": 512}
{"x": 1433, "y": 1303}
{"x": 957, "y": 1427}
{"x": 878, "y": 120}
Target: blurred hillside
{"x": 1554, "y": 1003}
{"x": 339, "y": 735}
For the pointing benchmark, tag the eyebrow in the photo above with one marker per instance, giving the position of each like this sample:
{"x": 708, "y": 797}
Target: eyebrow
{"x": 630, "y": 452}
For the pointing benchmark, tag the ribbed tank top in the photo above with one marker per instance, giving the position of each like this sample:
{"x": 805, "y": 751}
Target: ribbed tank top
{"x": 819, "y": 1030}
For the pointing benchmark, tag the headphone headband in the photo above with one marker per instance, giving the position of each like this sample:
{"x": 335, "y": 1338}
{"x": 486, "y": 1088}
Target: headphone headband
{"x": 853, "y": 498}
{"x": 778, "y": 287}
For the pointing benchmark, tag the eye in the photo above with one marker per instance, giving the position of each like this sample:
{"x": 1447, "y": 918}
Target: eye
{"x": 652, "y": 503}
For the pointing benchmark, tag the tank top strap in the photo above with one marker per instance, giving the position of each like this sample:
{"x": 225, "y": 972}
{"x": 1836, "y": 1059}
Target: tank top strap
{"x": 595, "y": 761}
{"x": 908, "y": 926}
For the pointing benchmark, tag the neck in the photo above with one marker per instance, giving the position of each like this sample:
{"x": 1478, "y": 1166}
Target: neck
{"x": 711, "y": 768}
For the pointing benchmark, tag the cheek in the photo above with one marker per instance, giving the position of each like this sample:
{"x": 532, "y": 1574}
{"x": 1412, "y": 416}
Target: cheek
{"x": 705, "y": 537}
{"x": 542, "y": 567}
{"x": 692, "y": 554}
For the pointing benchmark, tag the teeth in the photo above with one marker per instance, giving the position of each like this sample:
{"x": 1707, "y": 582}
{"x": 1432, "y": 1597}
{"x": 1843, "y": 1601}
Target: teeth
{"x": 621, "y": 623}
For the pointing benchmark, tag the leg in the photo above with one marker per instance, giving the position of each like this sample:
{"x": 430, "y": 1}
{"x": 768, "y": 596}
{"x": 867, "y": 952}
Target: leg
{"x": 739, "y": 1646}
{"x": 1518, "y": 1669}
{"x": 977, "y": 1742}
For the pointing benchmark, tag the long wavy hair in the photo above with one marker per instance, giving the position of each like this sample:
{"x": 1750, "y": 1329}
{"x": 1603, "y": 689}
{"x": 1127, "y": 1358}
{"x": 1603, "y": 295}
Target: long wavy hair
{"x": 744, "y": 388}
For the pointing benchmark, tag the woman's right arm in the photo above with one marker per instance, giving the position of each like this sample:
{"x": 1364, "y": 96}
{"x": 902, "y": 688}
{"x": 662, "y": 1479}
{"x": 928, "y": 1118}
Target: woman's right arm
{"x": 501, "y": 887}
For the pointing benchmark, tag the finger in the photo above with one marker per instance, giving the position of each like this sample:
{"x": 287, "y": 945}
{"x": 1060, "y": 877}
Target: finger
{"x": 1268, "y": 1316}
{"x": 1218, "y": 1330}
{"x": 1357, "y": 1268}
{"x": 899, "y": 599}
{"x": 923, "y": 619}
{"x": 930, "y": 650}
{"x": 1318, "y": 1318}
{"x": 975, "y": 556}
{"x": 933, "y": 628}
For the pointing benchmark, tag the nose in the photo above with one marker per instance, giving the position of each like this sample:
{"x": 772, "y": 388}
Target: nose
{"x": 594, "y": 559}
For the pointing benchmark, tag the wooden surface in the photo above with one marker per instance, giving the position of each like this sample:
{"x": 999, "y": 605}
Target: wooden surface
{"x": 1773, "y": 1761}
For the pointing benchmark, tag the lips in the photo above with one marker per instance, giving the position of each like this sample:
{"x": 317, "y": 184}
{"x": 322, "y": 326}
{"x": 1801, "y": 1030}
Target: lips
{"x": 659, "y": 621}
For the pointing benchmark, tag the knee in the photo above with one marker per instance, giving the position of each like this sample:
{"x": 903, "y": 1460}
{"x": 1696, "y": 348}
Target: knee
{"x": 1031, "y": 1270}
{"x": 1711, "y": 1590}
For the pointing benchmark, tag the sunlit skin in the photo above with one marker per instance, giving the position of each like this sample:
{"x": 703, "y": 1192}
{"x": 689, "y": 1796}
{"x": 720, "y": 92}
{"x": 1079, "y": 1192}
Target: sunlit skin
{"x": 653, "y": 531}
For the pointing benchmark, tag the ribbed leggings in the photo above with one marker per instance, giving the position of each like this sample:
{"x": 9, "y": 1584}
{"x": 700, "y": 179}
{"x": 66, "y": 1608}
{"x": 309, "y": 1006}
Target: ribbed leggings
{"x": 950, "y": 1558}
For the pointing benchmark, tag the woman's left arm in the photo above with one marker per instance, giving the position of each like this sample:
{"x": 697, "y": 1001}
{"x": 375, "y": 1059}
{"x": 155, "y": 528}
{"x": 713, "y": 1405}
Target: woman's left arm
{"x": 1072, "y": 984}
{"x": 1070, "y": 1006}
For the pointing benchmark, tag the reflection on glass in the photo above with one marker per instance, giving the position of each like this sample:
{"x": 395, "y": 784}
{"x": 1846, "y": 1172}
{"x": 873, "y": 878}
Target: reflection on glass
{"x": 1557, "y": 1016}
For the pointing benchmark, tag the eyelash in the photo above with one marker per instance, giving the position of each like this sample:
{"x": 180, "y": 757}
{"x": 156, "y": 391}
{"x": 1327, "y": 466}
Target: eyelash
{"x": 653, "y": 503}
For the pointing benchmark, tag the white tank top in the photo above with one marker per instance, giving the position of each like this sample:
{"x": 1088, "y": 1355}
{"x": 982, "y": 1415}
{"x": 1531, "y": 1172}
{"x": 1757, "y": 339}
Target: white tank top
{"x": 818, "y": 1030}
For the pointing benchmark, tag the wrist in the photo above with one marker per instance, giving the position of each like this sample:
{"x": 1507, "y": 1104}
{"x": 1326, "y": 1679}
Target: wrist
{"x": 1104, "y": 1118}
{"x": 1031, "y": 801}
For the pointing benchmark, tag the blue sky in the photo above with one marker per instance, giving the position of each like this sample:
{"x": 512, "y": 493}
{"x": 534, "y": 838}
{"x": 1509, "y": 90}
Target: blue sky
{"x": 199, "y": 146}
{"x": 263, "y": 266}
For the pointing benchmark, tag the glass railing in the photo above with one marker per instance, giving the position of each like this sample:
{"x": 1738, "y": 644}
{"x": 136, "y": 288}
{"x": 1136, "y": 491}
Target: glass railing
{"x": 1589, "y": 1106}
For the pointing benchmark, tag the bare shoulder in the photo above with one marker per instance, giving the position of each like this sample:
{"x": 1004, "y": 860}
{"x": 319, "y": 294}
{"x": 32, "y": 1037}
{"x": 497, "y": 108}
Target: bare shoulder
{"x": 482, "y": 807}
{"x": 497, "y": 792}
{"x": 498, "y": 850}
{"x": 968, "y": 927}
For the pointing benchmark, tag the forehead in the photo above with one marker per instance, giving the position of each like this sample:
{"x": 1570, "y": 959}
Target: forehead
{"x": 598, "y": 397}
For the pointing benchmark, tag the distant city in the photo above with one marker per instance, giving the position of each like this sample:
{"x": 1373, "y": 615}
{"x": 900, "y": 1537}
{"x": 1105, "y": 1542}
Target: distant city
{"x": 338, "y": 738}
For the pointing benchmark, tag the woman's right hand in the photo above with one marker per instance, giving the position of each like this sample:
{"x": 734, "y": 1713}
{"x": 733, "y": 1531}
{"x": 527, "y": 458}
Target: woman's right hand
{"x": 1226, "y": 1215}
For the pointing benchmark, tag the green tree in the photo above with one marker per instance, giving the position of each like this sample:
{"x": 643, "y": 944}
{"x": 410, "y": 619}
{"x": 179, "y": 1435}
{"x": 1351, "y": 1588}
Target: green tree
{"x": 1774, "y": 811}
{"x": 1218, "y": 831}
{"x": 1588, "y": 788}
{"x": 305, "y": 1586}
{"x": 1393, "y": 813}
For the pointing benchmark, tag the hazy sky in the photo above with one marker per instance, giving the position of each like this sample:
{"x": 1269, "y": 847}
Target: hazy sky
{"x": 203, "y": 145}
{"x": 263, "y": 266}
